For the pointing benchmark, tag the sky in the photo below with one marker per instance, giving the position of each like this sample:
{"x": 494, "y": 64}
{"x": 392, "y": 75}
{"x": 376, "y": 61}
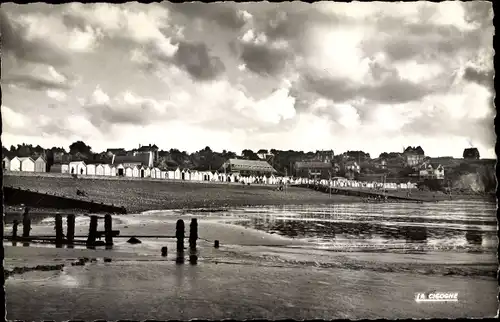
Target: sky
{"x": 371, "y": 76}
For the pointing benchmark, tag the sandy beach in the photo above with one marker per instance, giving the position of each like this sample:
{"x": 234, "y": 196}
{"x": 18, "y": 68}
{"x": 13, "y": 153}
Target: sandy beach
{"x": 144, "y": 195}
{"x": 252, "y": 275}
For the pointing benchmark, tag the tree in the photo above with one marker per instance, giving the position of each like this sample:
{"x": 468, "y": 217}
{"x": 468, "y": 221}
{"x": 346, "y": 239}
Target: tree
{"x": 249, "y": 155}
{"x": 80, "y": 147}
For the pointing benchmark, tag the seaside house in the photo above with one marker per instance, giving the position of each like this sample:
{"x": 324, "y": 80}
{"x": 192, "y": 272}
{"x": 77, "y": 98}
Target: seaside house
{"x": 40, "y": 164}
{"x": 6, "y": 164}
{"x": 99, "y": 170}
{"x": 313, "y": 169}
{"x": 471, "y": 154}
{"x": 431, "y": 170}
{"x": 77, "y": 167}
{"x": 247, "y": 167}
{"x": 413, "y": 156}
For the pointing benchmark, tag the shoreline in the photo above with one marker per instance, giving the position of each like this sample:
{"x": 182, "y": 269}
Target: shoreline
{"x": 148, "y": 195}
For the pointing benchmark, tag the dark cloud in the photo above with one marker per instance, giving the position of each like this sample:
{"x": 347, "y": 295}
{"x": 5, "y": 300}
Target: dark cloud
{"x": 15, "y": 42}
{"x": 263, "y": 59}
{"x": 479, "y": 12}
{"x": 220, "y": 13}
{"x": 197, "y": 61}
{"x": 33, "y": 82}
{"x": 391, "y": 88}
{"x": 484, "y": 78}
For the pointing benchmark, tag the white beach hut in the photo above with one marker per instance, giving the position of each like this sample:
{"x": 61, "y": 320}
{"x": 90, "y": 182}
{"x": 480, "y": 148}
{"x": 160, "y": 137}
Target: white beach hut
{"x": 112, "y": 171}
{"x": 163, "y": 174}
{"x": 148, "y": 173}
{"x": 6, "y": 164}
{"x": 91, "y": 169}
{"x": 78, "y": 167}
{"x": 120, "y": 170}
{"x": 129, "y": 172}
{"x": 185, "y": 175}
{"x": 15, "y": 164}
{"x": 27, "y": 164}
{"x": 99, "y": 170}
{"x": 177, "y": 174}
{"x": 135, "y": 172}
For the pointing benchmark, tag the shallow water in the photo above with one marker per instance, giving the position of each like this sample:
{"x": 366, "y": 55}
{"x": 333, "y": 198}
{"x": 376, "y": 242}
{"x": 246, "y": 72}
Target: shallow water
{"x": 302, "y": 262}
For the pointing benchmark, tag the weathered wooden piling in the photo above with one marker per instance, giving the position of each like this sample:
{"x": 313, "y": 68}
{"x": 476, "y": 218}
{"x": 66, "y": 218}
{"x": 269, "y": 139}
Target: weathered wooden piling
{"x": 70, "y": 229}
{"x": 108, "y": 230}
{"x": 193, "y": 233}
{"x": 26, "y": 223}
{"x": 14, "y": 228}
{"x": 59, "y": 230}
{"x": 179, "y": 234}
{"x": 92, "y": 231}
{"x": 216, "y": 244}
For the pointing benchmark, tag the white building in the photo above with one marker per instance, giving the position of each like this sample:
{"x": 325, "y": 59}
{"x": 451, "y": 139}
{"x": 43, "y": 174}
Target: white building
{"x": 128, "y": 172}
{"x": 135, "y": 172}
{"x": 99, "y": 170}
{"x": 27, "y": 164}
{"x": 77, "y": 167}
{"x": 112, "y": 171}
{"x": 15, "y": 164}
{"x": 91, "y": 169}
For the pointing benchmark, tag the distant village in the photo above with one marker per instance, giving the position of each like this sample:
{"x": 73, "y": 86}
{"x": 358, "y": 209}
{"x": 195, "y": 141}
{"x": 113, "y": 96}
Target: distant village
{"x": 148, "y": 161}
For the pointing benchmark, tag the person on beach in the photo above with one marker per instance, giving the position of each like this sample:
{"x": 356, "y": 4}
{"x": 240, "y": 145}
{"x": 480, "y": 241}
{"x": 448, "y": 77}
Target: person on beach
{"x": 26, "y": 222}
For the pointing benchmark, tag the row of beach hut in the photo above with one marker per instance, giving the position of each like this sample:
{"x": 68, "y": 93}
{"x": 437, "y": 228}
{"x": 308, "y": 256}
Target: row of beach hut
{"x": 27, "y": 164}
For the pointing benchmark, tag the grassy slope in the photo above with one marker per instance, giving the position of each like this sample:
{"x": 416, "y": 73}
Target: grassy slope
{"x": 141, "y": 195}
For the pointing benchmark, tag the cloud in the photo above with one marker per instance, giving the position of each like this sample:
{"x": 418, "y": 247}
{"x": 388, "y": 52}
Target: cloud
{"x": 124, "y": 108}
{"x": 197, "y": 61}
{"x": 223, "y": 14}
{"x": 479, "y": 76}
{"x": 19, "y": 40}
{"x": 39, "y": 78}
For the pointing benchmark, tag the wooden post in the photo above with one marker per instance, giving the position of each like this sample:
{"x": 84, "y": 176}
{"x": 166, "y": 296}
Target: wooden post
{"x": 216, "y": 244}
{"x": 70, "y": 229}
{"x": 92, "y": 231}
{"x": 108, "y": 230}
{"x": 59, "y": 230}
{"x": 14, "y": 228}
{"x": 193, "y": 233}
{"x": 26, "y": 223}
{"x": 179, "y": 234}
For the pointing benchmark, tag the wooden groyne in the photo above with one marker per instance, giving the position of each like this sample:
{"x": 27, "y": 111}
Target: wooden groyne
{"x": 36, "y": 199}
{"x": 93, "y": 238}
{"x": 364, "y": 193}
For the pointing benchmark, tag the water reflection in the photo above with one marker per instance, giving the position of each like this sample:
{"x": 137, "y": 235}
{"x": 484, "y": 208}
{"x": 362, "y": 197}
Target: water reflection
{"x": 437, "y": 225}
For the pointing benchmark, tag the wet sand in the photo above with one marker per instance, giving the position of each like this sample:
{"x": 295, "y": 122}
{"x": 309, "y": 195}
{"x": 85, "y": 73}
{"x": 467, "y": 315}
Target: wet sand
{"x": 252, "y": 275}
{"x": 161, "y": 289}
